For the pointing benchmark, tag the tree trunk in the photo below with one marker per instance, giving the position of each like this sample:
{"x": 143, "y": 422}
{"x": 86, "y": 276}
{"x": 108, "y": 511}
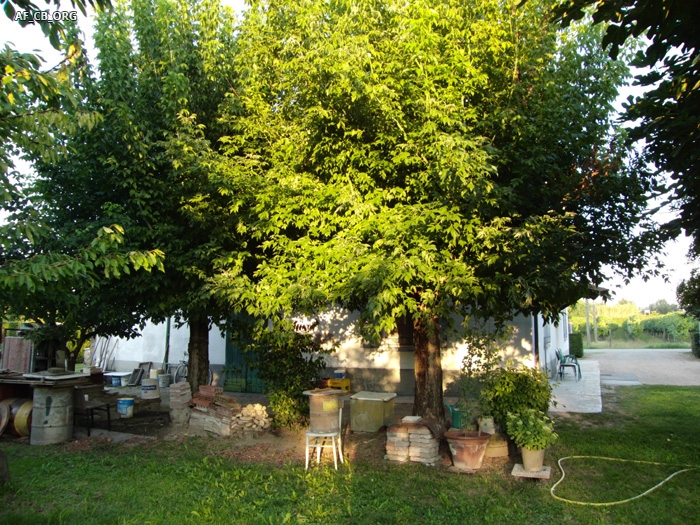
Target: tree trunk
{"x": 72, "y": 356}
{"x": 198, "y": 349}
{"x": 428, "y": 401}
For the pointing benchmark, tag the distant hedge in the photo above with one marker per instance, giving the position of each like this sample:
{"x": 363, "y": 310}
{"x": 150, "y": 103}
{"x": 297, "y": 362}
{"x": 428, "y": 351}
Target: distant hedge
{"x": 576, "y": 344}
{"x": 695, "y": 343}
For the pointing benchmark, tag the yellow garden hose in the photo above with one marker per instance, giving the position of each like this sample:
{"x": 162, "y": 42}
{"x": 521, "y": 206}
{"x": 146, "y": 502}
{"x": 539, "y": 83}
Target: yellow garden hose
{"x": 611, "y": 503}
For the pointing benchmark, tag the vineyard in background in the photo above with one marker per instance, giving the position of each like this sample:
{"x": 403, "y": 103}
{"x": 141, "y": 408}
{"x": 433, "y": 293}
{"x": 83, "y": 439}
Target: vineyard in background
{"x": 632, "y": 328}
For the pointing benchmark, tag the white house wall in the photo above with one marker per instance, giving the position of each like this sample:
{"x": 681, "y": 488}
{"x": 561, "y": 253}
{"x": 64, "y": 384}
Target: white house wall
{"x": 551, "y": 338}
{"x": 386, "y": 368}
{"x": 389, "y": 368}
{"x": 128, "y": 353}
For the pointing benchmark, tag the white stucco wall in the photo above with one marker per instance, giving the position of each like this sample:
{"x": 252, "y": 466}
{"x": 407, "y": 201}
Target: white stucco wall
{"x": 337, "y": 327}
{"x": 551, "y": 338}
{"x": 127, "y": 353}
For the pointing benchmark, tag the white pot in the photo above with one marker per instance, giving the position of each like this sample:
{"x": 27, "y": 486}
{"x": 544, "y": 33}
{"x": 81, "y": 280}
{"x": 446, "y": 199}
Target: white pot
{"x": 532, "y": 459}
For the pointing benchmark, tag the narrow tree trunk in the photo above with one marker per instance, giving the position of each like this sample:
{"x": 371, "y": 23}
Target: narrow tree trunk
{"x": 428, "y": 401}
{"x": 72, "y": 356}
{"x": 198, "y": 348}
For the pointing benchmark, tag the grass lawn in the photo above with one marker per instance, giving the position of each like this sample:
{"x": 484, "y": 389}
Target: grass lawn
{"x": 195, "y": 481}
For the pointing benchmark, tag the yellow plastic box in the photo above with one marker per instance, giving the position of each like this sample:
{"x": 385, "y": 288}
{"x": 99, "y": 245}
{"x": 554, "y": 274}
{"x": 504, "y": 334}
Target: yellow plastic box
{"x": 370, "y": 411}
{"x": 342, "y": 384}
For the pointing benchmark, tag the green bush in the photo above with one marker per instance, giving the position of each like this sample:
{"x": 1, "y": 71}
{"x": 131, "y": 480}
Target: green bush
{"x": 288, "y": 363}
{"x": 576, "y": 344}
{"x": 515, "y": 390}
{"x": 695, "y": 343}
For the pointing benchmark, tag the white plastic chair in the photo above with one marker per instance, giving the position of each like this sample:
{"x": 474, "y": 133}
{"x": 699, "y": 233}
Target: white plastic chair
{"x": 317, "y": 440}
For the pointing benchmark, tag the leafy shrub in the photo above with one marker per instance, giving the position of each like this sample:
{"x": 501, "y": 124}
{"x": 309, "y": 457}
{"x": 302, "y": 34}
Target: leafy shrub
{"x": 576, "y": 344}
{"x": 515, "y": 390}
{"x": 531, "y": 429}
{"x": 288, "y": 363}
{"x": 695, "y": 343}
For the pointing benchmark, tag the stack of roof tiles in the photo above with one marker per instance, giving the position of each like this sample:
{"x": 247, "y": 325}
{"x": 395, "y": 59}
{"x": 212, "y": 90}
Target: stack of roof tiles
{"x": 220, "y": 414}
{"x": 180, "y": 399}
{"x": 412, "y": 442}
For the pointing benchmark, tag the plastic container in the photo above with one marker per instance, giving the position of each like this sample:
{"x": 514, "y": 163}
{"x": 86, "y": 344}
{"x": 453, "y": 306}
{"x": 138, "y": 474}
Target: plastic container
{"x": 125, "y": 407}
{"x": 149, "y": 389}
{"x": 125, "y": 380}
{"x": 116, "y": 381}
{"x": 339, "y": 373}
{"x": 370, "y": 411}
{"x": 17, "y": 417}
{"x": 163, "y": 380}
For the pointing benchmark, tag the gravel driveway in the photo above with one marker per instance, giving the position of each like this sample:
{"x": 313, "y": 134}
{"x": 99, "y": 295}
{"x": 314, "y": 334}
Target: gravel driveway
{"x": 651, "y": 367}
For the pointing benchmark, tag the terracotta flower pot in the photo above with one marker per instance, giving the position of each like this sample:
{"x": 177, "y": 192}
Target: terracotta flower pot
{"x": 468, "y": 448}
{"x": 533, "y": 460}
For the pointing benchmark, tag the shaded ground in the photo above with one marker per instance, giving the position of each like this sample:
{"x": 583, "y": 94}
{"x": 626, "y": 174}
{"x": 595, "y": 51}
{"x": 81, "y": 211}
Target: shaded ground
{"x": 278, "y": 447}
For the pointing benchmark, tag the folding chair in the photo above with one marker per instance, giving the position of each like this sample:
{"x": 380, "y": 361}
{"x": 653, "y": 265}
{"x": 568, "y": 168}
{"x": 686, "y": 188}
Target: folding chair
{"x": 567, "y": 361}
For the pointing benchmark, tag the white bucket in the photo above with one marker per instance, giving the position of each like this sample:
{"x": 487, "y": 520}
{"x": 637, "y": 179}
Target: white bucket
{"x": 125, "y": 380}
{"x": 155, "y": 372}
{"x": 125, "y": 407}
{"x": 149, "y": 389}
{"x": 163, "y": 380}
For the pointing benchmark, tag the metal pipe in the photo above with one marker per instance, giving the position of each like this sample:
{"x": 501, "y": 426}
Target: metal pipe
{"x": 167, "y": 345}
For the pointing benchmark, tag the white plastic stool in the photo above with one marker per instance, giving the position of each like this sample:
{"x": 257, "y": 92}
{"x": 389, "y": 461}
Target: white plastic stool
{"x": 317, "y": 440}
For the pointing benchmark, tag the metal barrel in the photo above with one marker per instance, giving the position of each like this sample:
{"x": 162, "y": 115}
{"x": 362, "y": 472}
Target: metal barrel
{"x": 52, "y": 419}
{"x": 20, "y": 415}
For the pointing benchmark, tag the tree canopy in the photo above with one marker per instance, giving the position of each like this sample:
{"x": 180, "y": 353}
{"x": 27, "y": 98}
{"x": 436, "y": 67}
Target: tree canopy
{"x": 427, "y": 160}
{"x": 164, "y": 70}
{"x": 667, "y": 117}
{"x": 54, "y": 283}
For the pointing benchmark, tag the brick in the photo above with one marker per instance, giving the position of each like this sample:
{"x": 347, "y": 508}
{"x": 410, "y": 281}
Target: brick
{"x": 420, "y": 430}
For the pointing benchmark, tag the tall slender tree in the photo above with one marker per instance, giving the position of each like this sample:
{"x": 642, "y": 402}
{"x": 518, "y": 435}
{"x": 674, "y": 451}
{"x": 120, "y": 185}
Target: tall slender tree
{"x": 164, "y": 69}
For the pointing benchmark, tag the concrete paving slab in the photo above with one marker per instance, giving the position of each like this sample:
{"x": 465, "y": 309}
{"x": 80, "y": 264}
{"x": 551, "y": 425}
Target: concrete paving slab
{"x": 620, "y": 380}
{"x": 582, "y": 396}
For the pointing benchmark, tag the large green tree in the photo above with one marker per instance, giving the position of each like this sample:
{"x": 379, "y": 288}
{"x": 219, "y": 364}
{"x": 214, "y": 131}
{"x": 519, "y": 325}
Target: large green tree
{"x": 667, "y": 116}
{"x": 36, "y": 104}
{"x": 427, "y": 159}
{"x": 164, "y": 69}
{"x": 63, "y": 286}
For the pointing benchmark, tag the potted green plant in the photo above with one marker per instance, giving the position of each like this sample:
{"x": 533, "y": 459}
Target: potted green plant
{"x": 515, "y": 389}
{"x": 466, "y": 441}
{"x": 533, "y": 432}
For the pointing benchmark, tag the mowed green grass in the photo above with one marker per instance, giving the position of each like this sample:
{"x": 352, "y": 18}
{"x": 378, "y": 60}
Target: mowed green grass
{"x": 193, "y": 482}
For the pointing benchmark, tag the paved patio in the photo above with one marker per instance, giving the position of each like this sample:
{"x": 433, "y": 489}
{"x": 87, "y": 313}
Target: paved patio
{"x": 582, "y": 396}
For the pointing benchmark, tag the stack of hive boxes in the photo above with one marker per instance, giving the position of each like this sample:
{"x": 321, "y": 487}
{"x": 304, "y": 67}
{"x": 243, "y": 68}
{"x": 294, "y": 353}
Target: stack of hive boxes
{"x": 412, "y": 441}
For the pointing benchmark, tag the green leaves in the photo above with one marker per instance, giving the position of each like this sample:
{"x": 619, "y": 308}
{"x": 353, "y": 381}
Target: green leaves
{"x": 432, "y": 157}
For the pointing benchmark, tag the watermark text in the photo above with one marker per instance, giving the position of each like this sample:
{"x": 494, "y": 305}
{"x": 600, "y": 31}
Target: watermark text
{"x": 45, "y": 16}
